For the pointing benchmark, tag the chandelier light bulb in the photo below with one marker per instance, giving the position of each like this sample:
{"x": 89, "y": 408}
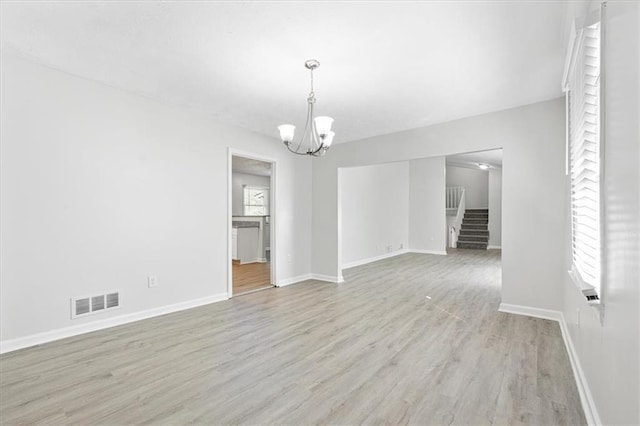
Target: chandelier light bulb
{"x": 328, "y": 139}
{"x": 323, "y": 125}
{"x": 286, "y": 132}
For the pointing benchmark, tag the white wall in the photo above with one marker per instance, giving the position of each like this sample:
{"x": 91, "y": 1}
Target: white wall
{"x": 608, "y": 352}
{"x": 495, "y": 208}
{"x": 532, "y": 138}
{"x": 238, "y": 181}
{"x": 374, "y": 206}
{"x": 101, "y": 188}
{"x": 475, "y": 183}
{"x": 427, "y": 213}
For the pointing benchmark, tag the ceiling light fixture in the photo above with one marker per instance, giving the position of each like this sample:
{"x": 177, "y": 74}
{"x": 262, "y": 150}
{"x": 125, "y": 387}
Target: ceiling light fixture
{"x": 483, "y": 166}
{"x": 317, "y": 130}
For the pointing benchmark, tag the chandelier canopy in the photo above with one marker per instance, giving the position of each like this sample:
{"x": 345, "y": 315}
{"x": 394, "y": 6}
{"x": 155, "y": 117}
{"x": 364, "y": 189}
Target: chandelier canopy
{"x": 317, "y": 135}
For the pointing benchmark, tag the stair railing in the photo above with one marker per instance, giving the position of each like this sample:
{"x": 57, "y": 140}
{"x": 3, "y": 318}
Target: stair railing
{"x": 457, "y": 223}
{"x": 453, "y": 195}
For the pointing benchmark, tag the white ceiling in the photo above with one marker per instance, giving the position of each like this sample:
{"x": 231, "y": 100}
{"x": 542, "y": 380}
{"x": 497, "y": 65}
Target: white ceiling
{"x": 472, "y": 159}
{"x": 250, "y": 166}
{"x": 386, "y": 66}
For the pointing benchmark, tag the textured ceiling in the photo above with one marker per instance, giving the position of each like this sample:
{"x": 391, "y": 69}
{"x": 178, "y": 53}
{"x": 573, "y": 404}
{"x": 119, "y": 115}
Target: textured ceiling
{"x": 386, "y": 66}
{"x": 250, "y": 166}
{"x": 472, "y": 159}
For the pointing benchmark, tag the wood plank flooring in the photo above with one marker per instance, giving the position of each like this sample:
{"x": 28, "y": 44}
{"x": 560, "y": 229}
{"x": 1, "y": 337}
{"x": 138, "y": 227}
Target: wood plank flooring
{"x": 250, "y": 277}
{"x": 415, "y": 339}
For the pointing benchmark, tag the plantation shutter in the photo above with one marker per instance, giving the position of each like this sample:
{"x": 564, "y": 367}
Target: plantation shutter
{"x": 583, "y": 84}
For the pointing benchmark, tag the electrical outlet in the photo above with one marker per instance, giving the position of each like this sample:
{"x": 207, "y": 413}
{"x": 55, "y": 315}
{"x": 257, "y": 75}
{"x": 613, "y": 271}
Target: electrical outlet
{"x": 152, "y": 281}
{"x": 289, "y": 260}
{"x": 578, "y": 317}
{"x": 401, "y": 246}
{"x": 389, "y": 248}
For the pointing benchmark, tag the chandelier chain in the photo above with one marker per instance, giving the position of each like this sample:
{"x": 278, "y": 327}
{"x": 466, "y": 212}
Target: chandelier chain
{"x": 311, "y": 94}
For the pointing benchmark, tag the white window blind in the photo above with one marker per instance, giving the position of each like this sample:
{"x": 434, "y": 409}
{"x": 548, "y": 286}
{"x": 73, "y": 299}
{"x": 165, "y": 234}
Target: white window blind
{"x": 256, "y": 201}
{"x": 583, "y": 85}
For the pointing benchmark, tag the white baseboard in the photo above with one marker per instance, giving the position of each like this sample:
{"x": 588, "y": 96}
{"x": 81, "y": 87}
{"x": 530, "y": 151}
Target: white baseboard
{"x": 328, "y": 278}
{"x": 306, "y": 277}
{"x": 258, "y": 260}
{"x": 392, "y": 254}
{"x": 586, "y": 398}
{"x": 530, "y": 312}
{"x": 50, "y": 336}
{"x": 494, "y": 247}
{"x": 294, "y": 280}
{"x": 373, "y": 259}
{"x": 588, "y": 405}
{"x": 438, "y": 252}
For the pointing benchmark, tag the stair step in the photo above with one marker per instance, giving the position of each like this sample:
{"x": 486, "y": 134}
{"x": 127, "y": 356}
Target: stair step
{"x": 479, "y": 226}
{"x": 475, "y": 232}
{"x": 474, "y": 225}
{"x": 474, "y": 229}
{"x": 471, "y": 245}
{"x": 474, "y": 238}
{"x": 477, "y": 210}
{"x": 476, "y": 216}
{"x": 475, "y": 220}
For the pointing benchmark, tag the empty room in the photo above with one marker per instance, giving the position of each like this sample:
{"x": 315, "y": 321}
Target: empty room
{"x": 309, "y": 212}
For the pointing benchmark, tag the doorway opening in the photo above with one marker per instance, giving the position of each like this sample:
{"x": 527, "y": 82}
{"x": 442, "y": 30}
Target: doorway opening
{"x": 434, "y": 205}
{"x": 251, "y": 192}
{"x": 474, "y": 200}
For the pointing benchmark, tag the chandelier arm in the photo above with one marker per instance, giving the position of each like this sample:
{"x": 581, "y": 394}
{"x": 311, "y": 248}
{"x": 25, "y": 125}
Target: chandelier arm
{"x": 306, "y": 124}
{"x": 319, "y": 143}
{"x": 295, "y": 152}
{"x": 299, "y": 145}
{"x": 303, "y": 137}
{"x": 315, "y": 143}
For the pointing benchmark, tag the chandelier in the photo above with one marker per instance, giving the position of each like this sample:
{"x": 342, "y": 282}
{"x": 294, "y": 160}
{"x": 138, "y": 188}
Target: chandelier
{"x": 317, "y": 136}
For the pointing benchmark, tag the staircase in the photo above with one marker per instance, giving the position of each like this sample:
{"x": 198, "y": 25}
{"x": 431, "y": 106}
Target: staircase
{"x": 473, "y": 232}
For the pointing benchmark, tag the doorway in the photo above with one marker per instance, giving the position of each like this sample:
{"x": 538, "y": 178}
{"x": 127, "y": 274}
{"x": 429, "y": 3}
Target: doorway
{"x": 414, "y": 205}
{"x": 252, "y": 212}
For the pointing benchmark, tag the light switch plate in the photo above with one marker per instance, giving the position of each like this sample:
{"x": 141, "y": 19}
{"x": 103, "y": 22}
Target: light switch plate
{"x": 152, "y": 281}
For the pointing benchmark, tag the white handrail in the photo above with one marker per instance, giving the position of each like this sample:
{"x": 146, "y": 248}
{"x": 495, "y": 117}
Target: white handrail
{"x": 457, "y": 223}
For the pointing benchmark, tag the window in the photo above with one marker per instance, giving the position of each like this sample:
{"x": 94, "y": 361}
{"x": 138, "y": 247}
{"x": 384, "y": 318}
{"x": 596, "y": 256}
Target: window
{"x": 256, "y": 201}
{"x": 582, "y": 83}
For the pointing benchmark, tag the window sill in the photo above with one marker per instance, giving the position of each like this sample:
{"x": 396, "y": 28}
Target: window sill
{"x": 585, "y": 289}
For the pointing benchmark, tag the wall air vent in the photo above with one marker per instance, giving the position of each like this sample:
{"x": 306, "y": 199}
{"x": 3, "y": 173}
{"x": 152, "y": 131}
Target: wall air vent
{"x": 113, "y": 300}
{"x": 97, "y": 303}
{"x": 82, "y": 306}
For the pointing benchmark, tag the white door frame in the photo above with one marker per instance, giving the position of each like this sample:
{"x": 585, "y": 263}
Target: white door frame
{"x": 272, "y": 209}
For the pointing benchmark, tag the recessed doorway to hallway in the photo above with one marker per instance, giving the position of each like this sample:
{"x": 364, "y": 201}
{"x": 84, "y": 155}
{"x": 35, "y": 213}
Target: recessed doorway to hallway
{"x": 474, "y": 200}
{"x": 251, "y": 224}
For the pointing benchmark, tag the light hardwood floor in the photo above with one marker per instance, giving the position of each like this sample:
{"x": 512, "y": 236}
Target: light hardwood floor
{"x": 250, "y": 277}
{"x": 412, "y": 339}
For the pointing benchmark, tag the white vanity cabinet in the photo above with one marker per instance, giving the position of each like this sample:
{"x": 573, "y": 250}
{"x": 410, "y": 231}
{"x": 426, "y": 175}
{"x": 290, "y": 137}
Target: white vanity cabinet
{"x": 234, "y": 243}
{"x": 245, "y": 242}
